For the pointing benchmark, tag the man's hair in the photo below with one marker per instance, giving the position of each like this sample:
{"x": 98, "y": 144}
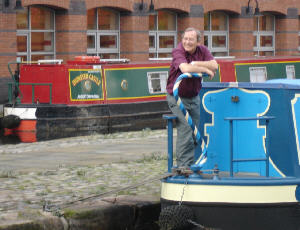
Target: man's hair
{"x": 198, "y": 33}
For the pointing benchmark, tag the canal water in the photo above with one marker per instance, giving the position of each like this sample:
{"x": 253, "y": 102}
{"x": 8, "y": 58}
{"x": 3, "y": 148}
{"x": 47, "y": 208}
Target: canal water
{"x": 10, "y": 139}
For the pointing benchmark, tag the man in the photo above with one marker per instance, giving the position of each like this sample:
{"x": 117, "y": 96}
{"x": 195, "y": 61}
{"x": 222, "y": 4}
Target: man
{"x": 189, "y": 56}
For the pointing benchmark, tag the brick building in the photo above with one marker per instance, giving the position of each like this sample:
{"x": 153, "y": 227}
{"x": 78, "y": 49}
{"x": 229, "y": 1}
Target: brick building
{"x": 142, "y": 30}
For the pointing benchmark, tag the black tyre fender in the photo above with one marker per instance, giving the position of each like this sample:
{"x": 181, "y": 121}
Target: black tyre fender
{"x": 175, "y": 217}
{"x": 10, "y": 121}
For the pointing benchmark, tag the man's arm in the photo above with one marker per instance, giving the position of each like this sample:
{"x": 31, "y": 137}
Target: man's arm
{"x": 212, "y": 64}
{"x": 208, "y": 67}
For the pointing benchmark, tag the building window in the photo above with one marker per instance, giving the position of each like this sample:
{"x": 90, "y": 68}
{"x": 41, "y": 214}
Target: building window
{"x": 162, "y": 34}
{"x": 36, "y": 33}
{"x": 258, "y": 74}
{"x": 216, "y": 33}
{"x": 264, "y": 35}
{"x": 103, "y": 33}
{"x": 157, "y": 82}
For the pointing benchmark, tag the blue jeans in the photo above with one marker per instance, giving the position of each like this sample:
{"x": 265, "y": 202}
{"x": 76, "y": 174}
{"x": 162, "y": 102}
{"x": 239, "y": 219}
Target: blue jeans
{"x": 185, "y": 144}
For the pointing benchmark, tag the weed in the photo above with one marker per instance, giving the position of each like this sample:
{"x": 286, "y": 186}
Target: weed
{"x": 21, "y": 187}
{"x": 29, "y": 214}
{"x": 69, "y": 213}
{"x": 8, "y": 174}
{"x": 81, "y": 173}
{"x": 41, "y": 193}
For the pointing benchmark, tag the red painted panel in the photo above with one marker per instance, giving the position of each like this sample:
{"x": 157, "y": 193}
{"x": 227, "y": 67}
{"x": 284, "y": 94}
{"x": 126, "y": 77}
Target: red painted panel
{"x": 26, "y": 131}
{"x": 226, "y": 71}
{"x": 55, "y": 74}
{"x": 26, "y": 126}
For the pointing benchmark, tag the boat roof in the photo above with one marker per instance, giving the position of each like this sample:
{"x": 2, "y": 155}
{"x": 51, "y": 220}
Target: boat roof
{"x": 259, "y": 59}
{"x": 270, "y": 84}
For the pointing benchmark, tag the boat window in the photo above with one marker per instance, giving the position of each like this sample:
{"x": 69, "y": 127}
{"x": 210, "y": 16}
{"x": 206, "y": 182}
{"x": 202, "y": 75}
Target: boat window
{"x": 162, "y": 34}
{"x": 157, "y": 82}
{"x": 290, "y": 71}
{"x": 258, "y": 74}
{"x": 35, "y": 33}
{"x": 216, "y": 33}
{"x": 264, "y": 35}
{"x": 103, "y": 33}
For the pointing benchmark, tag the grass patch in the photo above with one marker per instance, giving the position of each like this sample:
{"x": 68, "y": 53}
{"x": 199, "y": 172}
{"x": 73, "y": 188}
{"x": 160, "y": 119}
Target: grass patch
{"x": 68, "y": 213}
{"x": 29, "y": 214}
{"x": 8, "y": 174}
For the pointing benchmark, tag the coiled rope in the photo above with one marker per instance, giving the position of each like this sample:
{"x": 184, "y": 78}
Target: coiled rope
{"x": 203, "y": 157}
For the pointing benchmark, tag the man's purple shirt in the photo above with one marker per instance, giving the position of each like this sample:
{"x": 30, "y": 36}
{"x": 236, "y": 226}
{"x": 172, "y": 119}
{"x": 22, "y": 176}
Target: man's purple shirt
{"x": 188, "y": 87}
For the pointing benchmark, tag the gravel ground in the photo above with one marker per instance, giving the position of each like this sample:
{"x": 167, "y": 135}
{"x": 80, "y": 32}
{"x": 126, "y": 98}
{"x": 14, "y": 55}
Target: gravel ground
{"x": 59, "y": 172}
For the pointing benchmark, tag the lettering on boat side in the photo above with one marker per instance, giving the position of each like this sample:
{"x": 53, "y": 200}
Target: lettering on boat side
{"x": 86, "y": 76}
{"x": 85, "y": 96}
{"x": 85, "y": 84}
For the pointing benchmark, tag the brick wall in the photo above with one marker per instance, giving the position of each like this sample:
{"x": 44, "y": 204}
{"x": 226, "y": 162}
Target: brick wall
{"x": 287, "y": 33}
{"x": 241, "y": 36}
{"x": 7, "y": 41}
{"x": 134, "y": 37}
{"x": 64, "y": 4}
{"x": 71, "y": 39}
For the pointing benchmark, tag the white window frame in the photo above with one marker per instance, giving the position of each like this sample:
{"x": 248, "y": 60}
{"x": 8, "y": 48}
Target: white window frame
{"x": 92, "y": 50}
{"x": 290, "y": 71}
{"x": 254, "y": 77}
{"x": 163, "y": 76}
{"x": 97, "y": 51}
{"x": 260, "y": 34}
{"x": 24, "y": 34}
{"x": 27, "y": 32}
{"x": 164, "y": 33}
{"x": 210, "y": 33}
{"x": 154, "y": 34}
{"x": 107, "y": 50}
{"x": 157, "y": 33}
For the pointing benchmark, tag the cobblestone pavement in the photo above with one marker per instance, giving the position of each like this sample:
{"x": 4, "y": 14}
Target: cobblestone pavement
{"x": 61, "y": 171}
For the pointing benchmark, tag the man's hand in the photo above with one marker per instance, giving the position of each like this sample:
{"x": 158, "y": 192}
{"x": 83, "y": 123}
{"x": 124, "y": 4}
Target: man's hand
{"x": 209, "y": 72}
{"x": 212, "y": 65}
{"x": 209, "y": 67}
{"x": 189, "y": 68}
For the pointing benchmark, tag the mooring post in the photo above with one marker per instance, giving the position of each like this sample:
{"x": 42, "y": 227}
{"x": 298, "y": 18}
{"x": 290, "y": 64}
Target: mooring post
{"x": 170, "y": 118}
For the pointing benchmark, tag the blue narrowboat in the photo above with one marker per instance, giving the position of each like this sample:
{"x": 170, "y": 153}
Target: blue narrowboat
{"x": 251, "y": 176}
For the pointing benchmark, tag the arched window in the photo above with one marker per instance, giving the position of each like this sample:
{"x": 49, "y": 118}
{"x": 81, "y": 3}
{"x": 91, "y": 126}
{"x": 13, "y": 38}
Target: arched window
{"x": 103, "y": 33}
{"x": 264, "y": 35}
{"x": 162, "y": 34}
{"x": 36, "y": 33}
{"x": 216, "y": 33}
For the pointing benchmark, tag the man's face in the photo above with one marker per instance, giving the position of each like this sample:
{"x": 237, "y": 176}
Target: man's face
{"x": 189, "y": 41}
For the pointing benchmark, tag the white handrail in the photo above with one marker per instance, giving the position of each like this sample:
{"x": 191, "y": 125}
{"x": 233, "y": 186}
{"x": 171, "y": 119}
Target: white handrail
{"x": 58, "y": 61}
{"x": 121, "y": 60}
